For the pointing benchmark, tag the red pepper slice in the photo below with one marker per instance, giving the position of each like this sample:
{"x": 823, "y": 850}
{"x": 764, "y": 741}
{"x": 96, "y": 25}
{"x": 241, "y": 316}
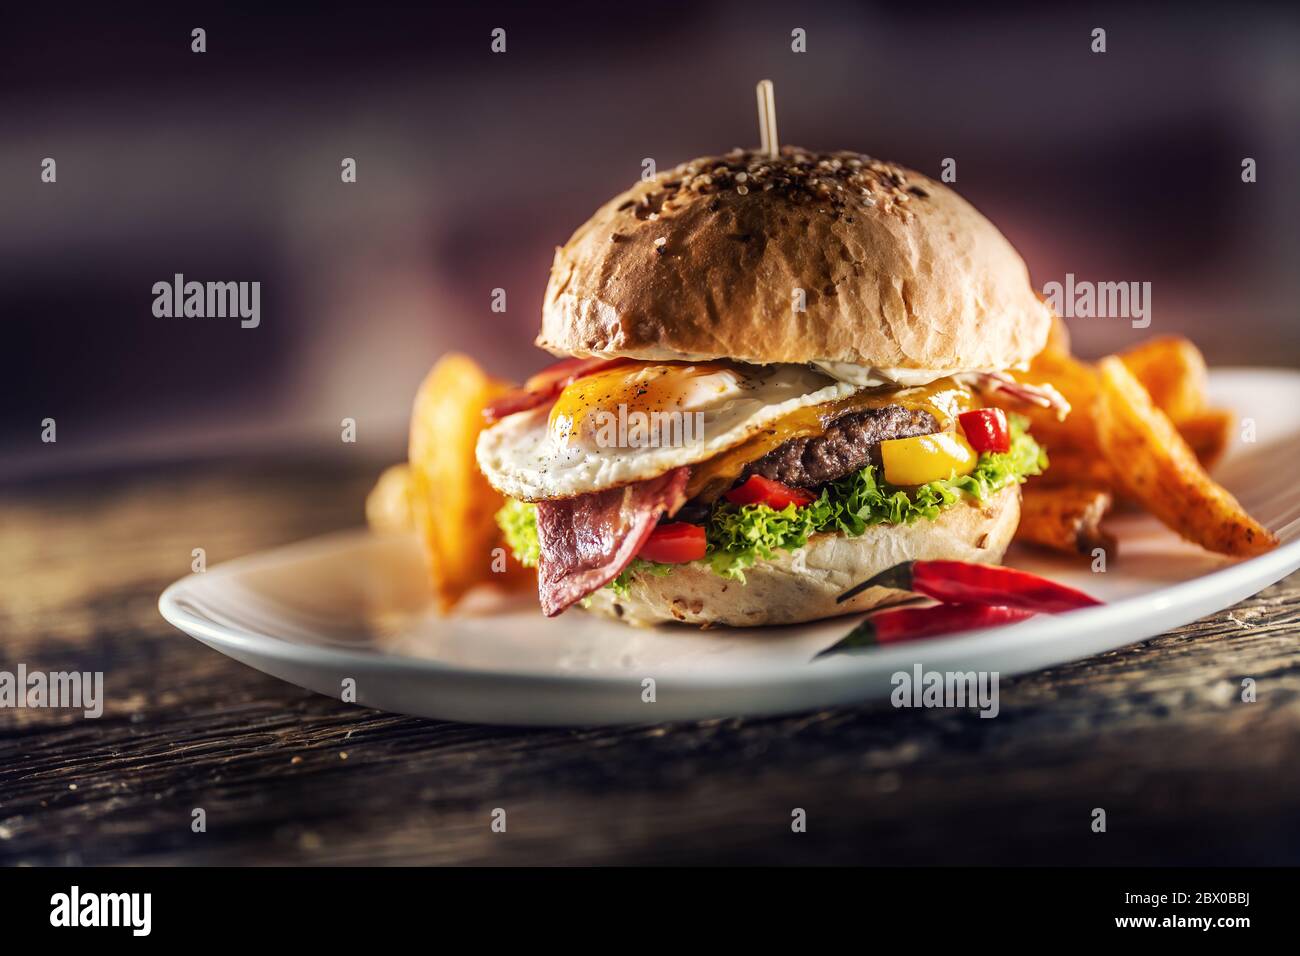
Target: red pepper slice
{"x": 898, "y": 625}
{"x": 987, "y": 584}
{"x": 764, "y": 491}
{"x": 986, "y": 429}
{"x": 545, "y": 386}
{"x": 674, "y": 543}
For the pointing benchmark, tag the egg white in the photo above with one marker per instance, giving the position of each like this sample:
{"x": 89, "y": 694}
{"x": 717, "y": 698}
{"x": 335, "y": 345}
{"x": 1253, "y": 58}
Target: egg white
{"x": 522, "y": 457}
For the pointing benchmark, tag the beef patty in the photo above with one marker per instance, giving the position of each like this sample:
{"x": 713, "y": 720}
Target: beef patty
{"x": 849, "y": 444}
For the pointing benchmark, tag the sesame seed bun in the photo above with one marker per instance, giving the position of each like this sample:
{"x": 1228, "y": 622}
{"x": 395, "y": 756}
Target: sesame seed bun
{"x": 802, "y": 585}
{"x": 896, "y": 270}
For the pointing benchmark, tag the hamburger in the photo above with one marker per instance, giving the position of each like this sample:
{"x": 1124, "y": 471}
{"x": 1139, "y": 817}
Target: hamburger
{"x": 770, "y": 389}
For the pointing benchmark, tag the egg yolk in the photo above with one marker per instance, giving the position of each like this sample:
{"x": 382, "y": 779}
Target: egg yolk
{"x": 647, "y": 389}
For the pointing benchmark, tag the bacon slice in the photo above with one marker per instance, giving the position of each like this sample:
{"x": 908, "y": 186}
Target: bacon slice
{"x": 587, "y": 541}
{"x": 1043, "y": 396}
{"x": 545, "y": 386}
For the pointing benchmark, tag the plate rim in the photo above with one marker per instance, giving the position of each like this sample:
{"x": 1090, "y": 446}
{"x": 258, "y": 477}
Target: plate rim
{"x": 1252, "y": 574}
{"x": 1267, "y": 568}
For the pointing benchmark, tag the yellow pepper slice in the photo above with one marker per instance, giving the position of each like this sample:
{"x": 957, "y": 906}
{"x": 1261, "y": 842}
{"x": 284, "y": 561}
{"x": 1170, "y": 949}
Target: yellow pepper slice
{"x": 915, "y": 461}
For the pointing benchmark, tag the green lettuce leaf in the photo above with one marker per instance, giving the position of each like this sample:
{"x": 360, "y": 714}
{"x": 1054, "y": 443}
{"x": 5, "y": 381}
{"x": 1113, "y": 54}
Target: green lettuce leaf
{"x": 623, "y": 582}
{"x": 518, "y": 522}
{"x": 739, "y": 536}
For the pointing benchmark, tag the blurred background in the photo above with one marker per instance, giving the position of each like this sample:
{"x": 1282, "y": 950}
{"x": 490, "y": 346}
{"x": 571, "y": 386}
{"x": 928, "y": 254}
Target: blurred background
{"x": 472, "y": 166}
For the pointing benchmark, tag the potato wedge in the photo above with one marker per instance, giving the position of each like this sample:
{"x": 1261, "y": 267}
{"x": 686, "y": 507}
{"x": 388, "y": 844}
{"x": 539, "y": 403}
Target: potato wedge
{"x": 1172, "y": 370}
{"x": 1071, "y": 443}
{"x": 1207, "y": 433}
{"x": 1154, "y": 465}
{"x": 1065, "y": 518}
{"x": 1077, "y": 383}
{"x": 388, "y": 506}
{"x": 452, "y": 504}
{"x": 1069, "y": 466}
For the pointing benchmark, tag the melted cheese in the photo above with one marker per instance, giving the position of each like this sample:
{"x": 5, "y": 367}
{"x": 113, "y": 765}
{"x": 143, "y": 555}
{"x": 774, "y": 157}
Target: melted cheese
{"x": 945, "y": 399}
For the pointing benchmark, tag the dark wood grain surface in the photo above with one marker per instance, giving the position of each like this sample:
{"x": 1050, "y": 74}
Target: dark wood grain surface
{"x": 1155, "y": 733}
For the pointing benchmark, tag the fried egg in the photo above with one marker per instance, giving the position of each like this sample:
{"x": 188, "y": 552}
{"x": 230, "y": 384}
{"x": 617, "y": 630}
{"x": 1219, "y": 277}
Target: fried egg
{"x": 640, "y": 420}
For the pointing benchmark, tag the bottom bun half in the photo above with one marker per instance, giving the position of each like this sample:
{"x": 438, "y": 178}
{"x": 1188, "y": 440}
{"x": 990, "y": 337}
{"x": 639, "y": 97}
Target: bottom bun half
{"x": 802, "y": 585}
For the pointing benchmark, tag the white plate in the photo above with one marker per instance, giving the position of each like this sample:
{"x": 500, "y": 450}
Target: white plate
{"x": 354, "y": 606}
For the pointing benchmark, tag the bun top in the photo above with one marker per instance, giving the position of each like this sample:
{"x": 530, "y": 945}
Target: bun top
{"x": 712, "y": 260}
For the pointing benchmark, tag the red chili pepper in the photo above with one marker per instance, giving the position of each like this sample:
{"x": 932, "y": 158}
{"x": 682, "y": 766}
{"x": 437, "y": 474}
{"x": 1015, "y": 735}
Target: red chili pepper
{"x": 674, "y": 543}
{"x": 902, "y": 624}
{"x": 764, "y": 491}
{"x": 988, "y": 584}
{"x": 986, "y": 429}
{"x": 545, "y": 385}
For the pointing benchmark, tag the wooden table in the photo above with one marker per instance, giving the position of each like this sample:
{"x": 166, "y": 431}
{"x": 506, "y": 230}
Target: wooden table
{"x": 1155, "y": 733}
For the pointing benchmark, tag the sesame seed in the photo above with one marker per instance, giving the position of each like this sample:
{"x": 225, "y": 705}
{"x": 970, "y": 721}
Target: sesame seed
{"x": 825, "y": 183}
{"x": 661, "y": 241}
